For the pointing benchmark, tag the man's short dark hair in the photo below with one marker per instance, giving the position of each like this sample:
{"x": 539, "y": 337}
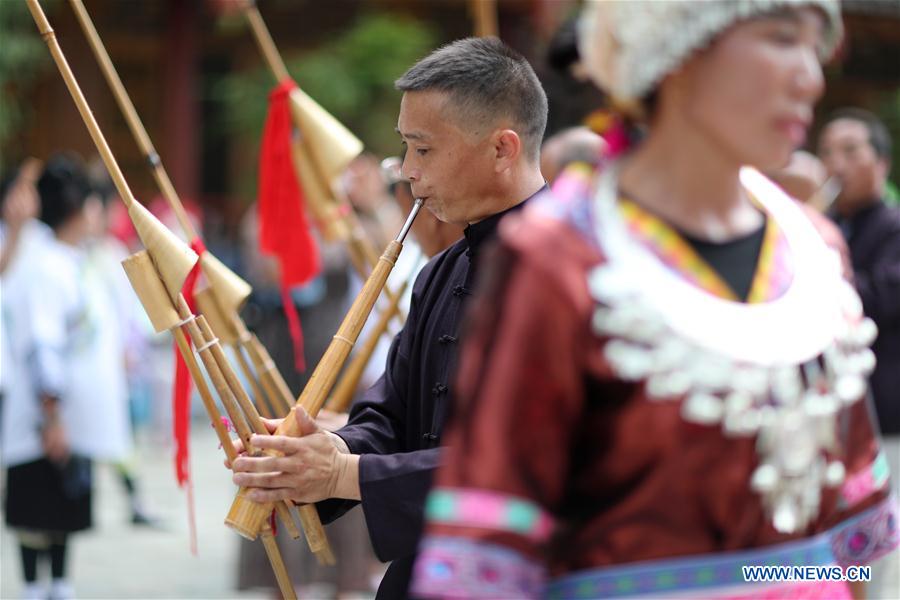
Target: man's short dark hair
{"x": 486, "y": 80}
{"x": 879, "y": 137}
{"x": 63, "y": 188}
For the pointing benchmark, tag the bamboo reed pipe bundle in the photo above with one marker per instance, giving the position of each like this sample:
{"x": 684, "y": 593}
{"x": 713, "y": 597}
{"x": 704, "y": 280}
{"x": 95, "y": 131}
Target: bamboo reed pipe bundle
{"x": 172, "y": 260}
{"x": 246, "y": 516}
{"x": 153, "y": 296}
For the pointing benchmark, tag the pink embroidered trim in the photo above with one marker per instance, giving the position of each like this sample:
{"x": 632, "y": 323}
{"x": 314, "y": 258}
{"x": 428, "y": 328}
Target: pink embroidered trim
{"x": 861, "y": 485}
{"x": 490, "y": 510}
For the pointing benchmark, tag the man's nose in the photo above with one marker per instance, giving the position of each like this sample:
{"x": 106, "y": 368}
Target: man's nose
{"x": 409, "y": 172}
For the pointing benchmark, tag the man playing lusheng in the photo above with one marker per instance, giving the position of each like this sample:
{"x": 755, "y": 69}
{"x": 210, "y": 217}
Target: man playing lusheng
{"x": 472, "y": 117}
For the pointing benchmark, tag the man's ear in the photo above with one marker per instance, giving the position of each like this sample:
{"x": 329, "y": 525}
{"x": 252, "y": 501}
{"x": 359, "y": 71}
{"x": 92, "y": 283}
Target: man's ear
{"x": 508, "y": 149}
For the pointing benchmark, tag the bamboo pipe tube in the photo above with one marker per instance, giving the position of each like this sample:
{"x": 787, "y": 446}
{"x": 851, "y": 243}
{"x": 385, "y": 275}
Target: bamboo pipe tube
{"x": 151, "y": 292}
{"x": 259, "y": 395}
{"x": 223, "y": 377}
{"x": 227, "y": 331}
{"x": 484, "y": 13}
{"x": 211, "y": 410}
{"x": 309, "y": 518}
{"x": 266, "y": 43}
{"x": 131, "y": 116}
{"x": 231, "y": 380}
{"x": 265, "y": 378}
{"x": 93, "y": 129}
{"x": 279, "y": 393}
{"x": 346, "y": 388}
{"x": 272, "y": 551}
{"x": 285, "y": 585}
{"x": 159, "y": 172}
{"x": 246, "y": 516}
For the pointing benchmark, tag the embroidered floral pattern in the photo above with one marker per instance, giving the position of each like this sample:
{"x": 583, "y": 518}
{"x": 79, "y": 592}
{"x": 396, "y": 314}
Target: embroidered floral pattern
{"x": 489, "y": 510}
{"x": 450, "y": 567}
{"x": 867, "y": 536}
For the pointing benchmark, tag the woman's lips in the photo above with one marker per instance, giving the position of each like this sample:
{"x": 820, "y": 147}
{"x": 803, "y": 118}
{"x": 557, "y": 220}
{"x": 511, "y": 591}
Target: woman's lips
{"x": 795, "y": 130}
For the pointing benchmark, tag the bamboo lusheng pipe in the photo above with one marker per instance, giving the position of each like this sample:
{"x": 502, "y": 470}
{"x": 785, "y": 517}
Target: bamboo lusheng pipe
{"x": 246, "y": 516}
{"x": 267, "y": 382}
{"x": 309, "y": 518}
{"x": 172, "y": 275}
{"x": 484, "y": 13}
{"x": 261, "y": 398}
{"x": 233, "y": 333}
{"x": 345, "y": 389}
{"x": 281, "y": 575}
{"x": 276, "y": 388}
{"x": 334, "y": 220}
{"x": 168, "y": 191}
{"x": 223, "y": 379}
{"x": 155, "y": 299}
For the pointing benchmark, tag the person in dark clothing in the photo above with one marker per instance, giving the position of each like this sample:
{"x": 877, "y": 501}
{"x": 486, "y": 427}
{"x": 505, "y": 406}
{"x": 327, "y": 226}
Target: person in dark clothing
{"x": 856, "y": 148}
{"x": 472, "y": 117}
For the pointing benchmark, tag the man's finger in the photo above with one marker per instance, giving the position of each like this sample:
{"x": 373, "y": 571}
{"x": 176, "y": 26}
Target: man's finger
{"x": 307, "y": 425}
{"x": 262, "y": 480}
{"x": 271, "y": 424}
{"x": 263, "y": 464}
{"x": 269, "y": 495}
{"x": 283, "y": 443}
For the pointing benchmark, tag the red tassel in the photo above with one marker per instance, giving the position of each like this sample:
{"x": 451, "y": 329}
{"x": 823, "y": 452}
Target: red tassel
{"x": 296, "y": 331}
{"x": 283, "y": 228}
{"x": 181, "y": 402}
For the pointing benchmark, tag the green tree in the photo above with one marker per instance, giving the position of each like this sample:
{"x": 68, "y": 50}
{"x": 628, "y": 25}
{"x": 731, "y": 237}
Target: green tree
{"x": 23, "y": 54}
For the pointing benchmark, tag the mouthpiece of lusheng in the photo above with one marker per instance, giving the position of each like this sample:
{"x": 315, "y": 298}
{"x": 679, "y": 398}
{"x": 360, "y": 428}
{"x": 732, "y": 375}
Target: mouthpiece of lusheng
{"x": 409, "y": 220}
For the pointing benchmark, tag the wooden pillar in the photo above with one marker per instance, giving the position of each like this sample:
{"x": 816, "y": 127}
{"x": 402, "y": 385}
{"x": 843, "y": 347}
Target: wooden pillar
{"x": 180, "y": 91}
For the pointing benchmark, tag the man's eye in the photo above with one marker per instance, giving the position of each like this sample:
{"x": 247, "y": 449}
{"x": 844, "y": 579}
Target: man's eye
{"x": 421, "y": 151}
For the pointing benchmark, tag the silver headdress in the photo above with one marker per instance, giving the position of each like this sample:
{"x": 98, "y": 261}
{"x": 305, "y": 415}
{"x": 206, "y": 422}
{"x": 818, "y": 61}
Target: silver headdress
{"x": 629, "y": 46}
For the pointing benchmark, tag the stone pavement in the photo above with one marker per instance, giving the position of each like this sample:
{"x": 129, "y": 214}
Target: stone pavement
{"x": 118, "y": 560}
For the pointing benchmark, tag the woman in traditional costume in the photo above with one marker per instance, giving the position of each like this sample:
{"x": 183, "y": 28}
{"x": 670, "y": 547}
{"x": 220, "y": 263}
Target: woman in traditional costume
{"x": 665, "y": 378}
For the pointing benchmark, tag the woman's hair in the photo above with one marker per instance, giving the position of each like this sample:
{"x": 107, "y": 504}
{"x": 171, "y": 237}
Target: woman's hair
{"x": 63, "y": 189}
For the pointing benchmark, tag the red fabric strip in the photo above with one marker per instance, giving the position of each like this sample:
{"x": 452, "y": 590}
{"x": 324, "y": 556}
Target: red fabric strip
{"x": 294, "y": 327}
{"x": 181, "y": 403}
{"x": 283, "y": 229}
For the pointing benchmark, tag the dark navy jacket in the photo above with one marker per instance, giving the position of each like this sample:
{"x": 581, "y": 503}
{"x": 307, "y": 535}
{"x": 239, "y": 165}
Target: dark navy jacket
{"x": 396, "y": 425}
{"x": 873, "y": 236}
